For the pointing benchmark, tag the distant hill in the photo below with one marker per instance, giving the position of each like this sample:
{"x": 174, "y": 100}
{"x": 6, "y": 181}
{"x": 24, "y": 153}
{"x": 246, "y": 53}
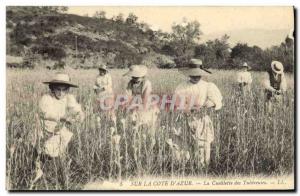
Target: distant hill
{"x": 259, "y": 37}
{"x": 55, "y": 35}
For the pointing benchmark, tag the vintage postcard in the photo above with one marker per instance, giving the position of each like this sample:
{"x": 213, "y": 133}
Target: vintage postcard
{"x": 150, "y": 98}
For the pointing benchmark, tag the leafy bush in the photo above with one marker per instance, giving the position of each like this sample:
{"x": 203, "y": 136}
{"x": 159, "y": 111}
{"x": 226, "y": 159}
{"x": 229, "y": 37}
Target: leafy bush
{"x": 53, "y": 52}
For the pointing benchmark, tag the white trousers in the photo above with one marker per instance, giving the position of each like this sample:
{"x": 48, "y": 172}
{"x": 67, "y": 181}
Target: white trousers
{"x": 203, "y": 135}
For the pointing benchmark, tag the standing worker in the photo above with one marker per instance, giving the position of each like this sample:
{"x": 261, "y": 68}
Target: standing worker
{"x": 198, "y": 96}
{"x": 275, "y": 85}
{"x": 104, "y": 91}
{"x": 103, "y": 82}
{"x": 58, "y": 110}
{"x": 244, "y": 79}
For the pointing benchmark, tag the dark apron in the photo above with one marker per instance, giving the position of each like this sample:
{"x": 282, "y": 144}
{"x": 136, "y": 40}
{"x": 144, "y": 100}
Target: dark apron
{"x": 275, "y": 83}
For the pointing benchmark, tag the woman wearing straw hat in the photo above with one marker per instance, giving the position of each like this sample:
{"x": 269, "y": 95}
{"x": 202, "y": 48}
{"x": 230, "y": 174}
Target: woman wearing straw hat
{"x": 140, "y": 87}
{"x": 275, "y": 84}
{"x": 103, "y": 82}
{"x": 104, "y": 91}
{"x": 58, "y": 109}
{"x": 244, "y": 79}
{"x": 197, "y": 95}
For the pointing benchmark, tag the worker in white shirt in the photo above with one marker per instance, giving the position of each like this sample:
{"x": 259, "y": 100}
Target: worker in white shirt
{"x": 139, "y": 87}
{"x": 244, "y": 79}
{"x": 198, "y": 95}
{"x": 275, "y": 85}
{"x": 104, "y": 91}
{"x": 103, "y": 82}
{"x": 58, "y": 109}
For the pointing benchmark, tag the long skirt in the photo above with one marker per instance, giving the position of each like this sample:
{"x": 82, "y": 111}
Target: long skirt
{"x": 203, "y": 135}
{"x": 56, "y": 145}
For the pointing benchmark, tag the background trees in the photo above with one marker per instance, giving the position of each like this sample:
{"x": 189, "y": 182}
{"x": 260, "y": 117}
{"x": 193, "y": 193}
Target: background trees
{"x": 214, "y": 53}
{"x": 183, "y": 40}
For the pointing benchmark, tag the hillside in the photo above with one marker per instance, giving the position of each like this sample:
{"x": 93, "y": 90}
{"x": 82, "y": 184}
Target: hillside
{"x": 82, "y": 40}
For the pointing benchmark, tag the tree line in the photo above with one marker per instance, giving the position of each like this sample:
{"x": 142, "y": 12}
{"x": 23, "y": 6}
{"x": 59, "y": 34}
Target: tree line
{"x": 183, "y": 44}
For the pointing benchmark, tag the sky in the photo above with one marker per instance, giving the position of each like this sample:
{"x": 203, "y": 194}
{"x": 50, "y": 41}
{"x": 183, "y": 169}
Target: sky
{"x": 213, "y": 20}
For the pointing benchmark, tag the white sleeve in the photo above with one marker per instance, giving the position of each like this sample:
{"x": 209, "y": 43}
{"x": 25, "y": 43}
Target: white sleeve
{"x": 178, "y": 94}
{"x": 74, "y": 107}
{"x": 147, "y": 88}
{"x": 283, "y": 86}
{"x": 128, "y": 90}
{"x": 109, "y": 82}
{"x": 214, "y": 95}
{"x": 44, "y": 104}
{"x": 177, "y": 90}
{"x": 98, "y": 81}
{"x": 146, "y": 91}
{"x": 46, "y": 108}
{"x": 249, "y": 78}
{"x": 239, "y": 77}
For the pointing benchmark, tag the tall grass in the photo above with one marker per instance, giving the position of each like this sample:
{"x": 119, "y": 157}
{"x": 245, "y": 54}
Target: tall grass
{"x": 248, "y": 141}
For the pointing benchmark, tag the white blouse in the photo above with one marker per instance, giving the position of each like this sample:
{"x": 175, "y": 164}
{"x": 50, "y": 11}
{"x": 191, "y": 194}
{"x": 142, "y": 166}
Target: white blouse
{"x": 104, "y": 82}
{"x": 53, "y": 110}
{"x": 205, "y": 94}
{"x": 244, "y": 77}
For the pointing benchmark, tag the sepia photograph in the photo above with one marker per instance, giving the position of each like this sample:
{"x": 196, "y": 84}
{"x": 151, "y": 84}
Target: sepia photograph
{"x": 150, "y": 98}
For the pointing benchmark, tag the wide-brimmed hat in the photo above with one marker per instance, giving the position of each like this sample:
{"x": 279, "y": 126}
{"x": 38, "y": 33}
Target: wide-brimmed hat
{"x": 61, "y": 78}
{"x": 277, "y": 67}
{"x": 102, "y": 67}
{"x": 137, "y": 71}
{"x": 195, "y": 68}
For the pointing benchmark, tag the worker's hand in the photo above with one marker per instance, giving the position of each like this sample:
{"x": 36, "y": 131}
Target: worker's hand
{"x": 209, "y": 104}
{"x": 278, "y": 92}
{"x": 193, "y": 130}
{"x": 66, "y": 120}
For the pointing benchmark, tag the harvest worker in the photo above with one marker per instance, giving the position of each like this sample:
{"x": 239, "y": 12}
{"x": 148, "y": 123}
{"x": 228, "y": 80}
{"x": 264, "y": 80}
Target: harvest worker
{"x": 103, "y": 82}
{"x": 244, "y": 79}
{"x": 103, "y": 88}
{"x": 275, "y": 84}
{"x": 139, "y": 90}
{"x": 138, "y": 85}
{"x": 58, "y": 109}
{"x": 198, "y": 95}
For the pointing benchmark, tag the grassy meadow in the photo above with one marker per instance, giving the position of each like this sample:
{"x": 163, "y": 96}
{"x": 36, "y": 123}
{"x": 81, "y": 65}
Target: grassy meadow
{"x": 248, "y": 141}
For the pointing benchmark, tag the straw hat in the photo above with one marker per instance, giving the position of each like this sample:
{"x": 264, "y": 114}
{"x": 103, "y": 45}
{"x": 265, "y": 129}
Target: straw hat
{"x": 61, "y": 78}
{"x": 103, "y": 67}
{"x": 137, "y": 71}
{"x": 277, "y": 67}
{"x": 195, "y": 68}
{"x": 245, "y": 65}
